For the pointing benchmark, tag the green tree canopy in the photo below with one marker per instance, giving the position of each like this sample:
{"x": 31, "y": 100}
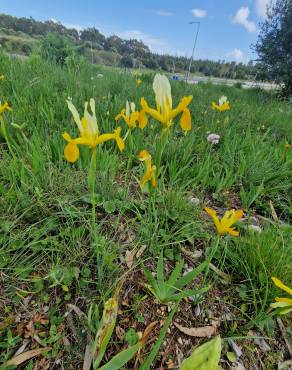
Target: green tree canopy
{"x": 274, "y": 45}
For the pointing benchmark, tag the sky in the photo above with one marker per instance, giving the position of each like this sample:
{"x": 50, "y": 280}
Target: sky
{"x": 227, "y": 27}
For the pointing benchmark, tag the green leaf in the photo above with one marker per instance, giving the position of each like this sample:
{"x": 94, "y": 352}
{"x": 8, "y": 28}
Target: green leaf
{"x": 131, "y": 337}
{"x": 122, "y": 358}
{"x": 38, "y": 285}
{"x": 109, "y": 206}
{"x": 106, "y": 327}
{"x": 188, "y": 293}
{"x": 206, "y": 356}
{"x": 85, "y": 272}
{"x": 231, "y": 356}
{"x": 151, "y": 357}
{"x": 160, "y": 270}
{"x": 175, "y": 273}
{"x": 151, "y": 279}
{"x": 186, "y": 279}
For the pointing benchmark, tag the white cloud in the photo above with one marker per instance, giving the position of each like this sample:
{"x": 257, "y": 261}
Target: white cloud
{"x": 199, "y": 13}
{"x": 261, "y": 7}
{"x": 236, "y": 54}
{"x": 164, "y": 13}
{"x": 155, "y": 44}
{"x": 241, "y": 17}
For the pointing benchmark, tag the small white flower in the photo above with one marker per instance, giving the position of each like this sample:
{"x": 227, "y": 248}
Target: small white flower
{"x": 213, "y": 138}
{"x": 100, "y": 75}
{"x": 222, "y": 100}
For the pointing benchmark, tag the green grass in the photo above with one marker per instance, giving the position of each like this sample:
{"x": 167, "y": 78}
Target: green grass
{"x": 45, "y": 219}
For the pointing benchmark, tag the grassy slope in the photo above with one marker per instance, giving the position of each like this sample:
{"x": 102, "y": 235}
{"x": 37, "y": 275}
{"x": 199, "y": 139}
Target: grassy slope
{"x": 45, "y": 215}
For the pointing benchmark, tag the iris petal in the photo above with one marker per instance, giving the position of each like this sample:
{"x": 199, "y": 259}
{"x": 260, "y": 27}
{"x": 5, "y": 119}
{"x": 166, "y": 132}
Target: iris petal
{"x": 71, "y": 152}
{"x": 281, "y": 285}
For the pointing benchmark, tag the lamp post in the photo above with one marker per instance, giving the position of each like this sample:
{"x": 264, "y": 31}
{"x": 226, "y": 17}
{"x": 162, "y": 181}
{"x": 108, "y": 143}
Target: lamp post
{"x": 194, "y": 47}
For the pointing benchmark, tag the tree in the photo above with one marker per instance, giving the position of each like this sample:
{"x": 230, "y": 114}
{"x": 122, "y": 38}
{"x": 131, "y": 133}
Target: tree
{"x": 64, "y": 45}
{"x": 93, "y": 35}
{"x": 274, "y": 46}
{"x": 55, "y": 48}
{"x": 126, "y": 61}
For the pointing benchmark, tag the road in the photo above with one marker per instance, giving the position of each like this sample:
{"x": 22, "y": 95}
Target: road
{"x": 224, "y": 81}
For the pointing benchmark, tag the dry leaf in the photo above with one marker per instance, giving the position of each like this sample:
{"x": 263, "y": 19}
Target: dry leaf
{"x": 274, "y": 214}
{"x": 225, "y": 277}
{"x": 37, "y": 339}
{"x": 170, "y": 364}
{"x": 42, "y": 364}
{"x": 87, "y": 358}
{"x": 141, "y": 251}
{"x": 193, "y": 254}
{"x": 120, "y": 332}
{"x": 77, "y": 310}
{"x": 129, "y": 257}
{"x": 66, "y": 341}
{"x": 236, "y": 349}
{"x": 22, "y": 347}
{"x": 262, "y": 344}
{"x": 39, "y": 319}
{"x": 18, "y": 360}
{"x": 285, "y": 365}
{"x": 200, "y": 332}
{"x": 147, "y": 331}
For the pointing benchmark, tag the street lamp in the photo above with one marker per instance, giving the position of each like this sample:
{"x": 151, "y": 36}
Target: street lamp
{"x": 195, "y": 43}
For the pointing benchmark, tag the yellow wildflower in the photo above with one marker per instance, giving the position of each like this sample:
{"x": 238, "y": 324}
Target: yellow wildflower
{"x": 223, "y": 104}
{"x": 4, "y": 107}
{"x": 223, "y": 226}
{"x": 138, "y": 81}
{"x": 288, "y": 146}
{"x": 129, "y": 115}
{"x": 89, "y": 133}
{"x": 149, "y": 175}
{"x": 2, "y": 77}
{"x": 284, "y": 303}
{"x": 164, "y": 112}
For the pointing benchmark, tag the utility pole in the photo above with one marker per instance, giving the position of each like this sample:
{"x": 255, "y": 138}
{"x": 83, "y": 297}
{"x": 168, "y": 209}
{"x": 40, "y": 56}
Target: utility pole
{"x": 193, "y": 52}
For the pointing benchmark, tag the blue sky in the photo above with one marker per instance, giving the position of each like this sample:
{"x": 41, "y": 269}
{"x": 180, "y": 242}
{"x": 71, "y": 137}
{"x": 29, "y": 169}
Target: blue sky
{"x": 228, "y": 27}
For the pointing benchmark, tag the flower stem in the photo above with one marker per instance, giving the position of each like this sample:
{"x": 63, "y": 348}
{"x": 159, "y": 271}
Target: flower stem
{"x": 5, "y": 136}
{"x": 160, "y": 149}
{"x": 131, "y": 147}
{"x": 91, "y": 184}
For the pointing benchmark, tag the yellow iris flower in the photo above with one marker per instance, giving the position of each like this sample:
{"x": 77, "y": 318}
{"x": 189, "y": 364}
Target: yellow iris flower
{"x": 129, "y": 115}
{"x": 164, "y": 112}
{"x": 284, "y": 303}
{"x": 223, "y": 226}
{"x": 138, "y": 81}
{"x": 89, "y": 133}
{"x": 149, "y": 175}
{"x": 2, "y": 77}
{"x": 4, "y": 107}
{"x": 223, "y": 104}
